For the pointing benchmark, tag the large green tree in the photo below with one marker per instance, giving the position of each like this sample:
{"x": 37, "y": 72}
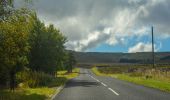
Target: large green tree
{"x": 47, "y": 47}
{"x": 23, "y": 36}
{"x": 14, "y": 46}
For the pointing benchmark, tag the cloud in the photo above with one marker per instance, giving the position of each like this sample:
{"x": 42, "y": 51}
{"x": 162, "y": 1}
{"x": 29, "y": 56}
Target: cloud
{"x": 92, "y": 40}
{"x": 143, "y": 47}
{"x": 89, "y": 23}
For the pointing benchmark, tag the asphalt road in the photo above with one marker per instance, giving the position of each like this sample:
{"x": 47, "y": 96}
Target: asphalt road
{"x": 90, "y": 87}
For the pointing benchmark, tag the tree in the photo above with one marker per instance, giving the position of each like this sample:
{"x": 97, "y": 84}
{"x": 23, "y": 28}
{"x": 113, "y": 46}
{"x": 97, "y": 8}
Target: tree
{"x": 14, "y": 45}
{"x": 47, "y": 47}
{"x": 26, "y": 41}
{"x": 7, "y": 8}
{"x": 70, "y": 61}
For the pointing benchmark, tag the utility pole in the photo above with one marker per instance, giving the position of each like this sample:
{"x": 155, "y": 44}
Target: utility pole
{"x": 153, "y": 55}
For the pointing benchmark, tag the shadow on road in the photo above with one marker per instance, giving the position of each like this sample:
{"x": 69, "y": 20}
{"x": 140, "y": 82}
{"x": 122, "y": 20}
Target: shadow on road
{"x": 83, "y": 73}
{"x": 81, "y": 83}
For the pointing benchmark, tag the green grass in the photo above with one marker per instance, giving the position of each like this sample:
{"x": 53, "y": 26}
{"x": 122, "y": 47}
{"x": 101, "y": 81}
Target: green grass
{"x": 154, "y": 83}
{"x": 68, "y": 76}
{"x": 95, "y": 70}
{"x": 28, "y": 94}
{"x": 162, "y": 85}
{"x": 43, "y": 93}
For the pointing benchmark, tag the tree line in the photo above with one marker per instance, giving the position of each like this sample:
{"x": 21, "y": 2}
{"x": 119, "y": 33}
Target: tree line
{"x": 27, "y": 43}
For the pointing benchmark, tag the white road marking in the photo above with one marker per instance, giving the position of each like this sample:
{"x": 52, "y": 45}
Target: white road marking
{"x": 113, "y": 91}
{"x": 97, "y": 80}
{"x": 103, "y": 84}
{"x": 94, "y": 78}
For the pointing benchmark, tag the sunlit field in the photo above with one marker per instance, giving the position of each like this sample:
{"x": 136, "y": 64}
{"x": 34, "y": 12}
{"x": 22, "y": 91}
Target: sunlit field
{"x": 158, "y": 77}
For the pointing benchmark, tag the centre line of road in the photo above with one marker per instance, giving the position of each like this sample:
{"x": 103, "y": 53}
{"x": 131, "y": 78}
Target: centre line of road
{"x": 97, "y": 80}
{"x": 94, "y": 78}
{"x": 103, "y": 84}
{"x": 113, "y": 91}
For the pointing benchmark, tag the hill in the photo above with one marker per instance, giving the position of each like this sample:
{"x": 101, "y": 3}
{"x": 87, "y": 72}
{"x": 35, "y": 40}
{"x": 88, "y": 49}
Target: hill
{"x": 109, "y": 58}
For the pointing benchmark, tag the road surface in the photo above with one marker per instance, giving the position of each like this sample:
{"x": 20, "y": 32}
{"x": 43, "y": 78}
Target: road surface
{"x": 91, "y": 87}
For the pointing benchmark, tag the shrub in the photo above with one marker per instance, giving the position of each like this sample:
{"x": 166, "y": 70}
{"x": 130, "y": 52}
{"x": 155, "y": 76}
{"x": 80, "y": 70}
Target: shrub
{"x": 33, "y": 79}
{"x": 111, "y": 70}
{"x": 148, "y": 77}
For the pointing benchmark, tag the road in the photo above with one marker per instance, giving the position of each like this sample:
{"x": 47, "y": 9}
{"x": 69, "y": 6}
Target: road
{"x": 91, "y": 87}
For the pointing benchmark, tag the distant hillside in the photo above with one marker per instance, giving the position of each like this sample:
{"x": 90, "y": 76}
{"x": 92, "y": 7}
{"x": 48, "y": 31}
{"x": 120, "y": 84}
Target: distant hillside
{"x": 141, "y": 57}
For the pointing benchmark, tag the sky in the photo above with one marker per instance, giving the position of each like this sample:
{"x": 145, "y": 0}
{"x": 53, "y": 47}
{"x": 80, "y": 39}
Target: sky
{"x": 107, "y": 25}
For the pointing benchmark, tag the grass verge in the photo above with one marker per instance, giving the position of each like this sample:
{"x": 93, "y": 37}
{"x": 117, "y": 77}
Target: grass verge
{"x": 95, "y": 71}
{"x": 154, "y": 83}
{"x": 40, "y": 93}
{"x": 68, "y": 76}
{"x": 27, "y": 94}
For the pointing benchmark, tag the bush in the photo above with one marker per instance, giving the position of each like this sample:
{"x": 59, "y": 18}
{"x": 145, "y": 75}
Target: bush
{"x": 33, "y": 79}
{"x": 148, "y": 77}
{"x": 111, "y": 70}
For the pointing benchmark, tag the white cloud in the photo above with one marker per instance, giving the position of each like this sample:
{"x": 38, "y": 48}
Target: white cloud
{"x": 90, "y": 41}
{"x": 134, "y": 1}
{"x": 143, "y": 47}
{"x": 143, "y": 31}
{"x": 89, "y": 23}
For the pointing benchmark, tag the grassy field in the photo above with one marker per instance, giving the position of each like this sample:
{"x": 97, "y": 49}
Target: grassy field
{"x": 39, "y": 93}
{"x": 155, "y": 80}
